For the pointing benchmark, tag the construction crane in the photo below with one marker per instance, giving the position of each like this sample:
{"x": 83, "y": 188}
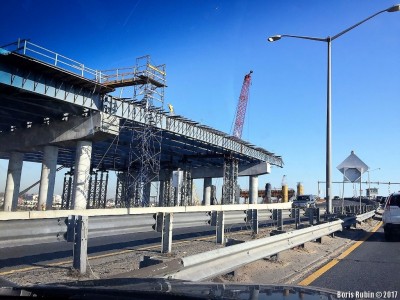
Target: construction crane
{"x": 242, "y": 105}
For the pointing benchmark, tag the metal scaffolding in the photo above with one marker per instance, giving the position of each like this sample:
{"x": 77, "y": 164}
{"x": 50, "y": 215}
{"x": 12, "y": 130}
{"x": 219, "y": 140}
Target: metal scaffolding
{"x": 67, "y": 190}
{"x": 98, "y": 182}
{"x": 143, "y": 163}
{"x": 186, "y": 189}
{"x": 229, "y": 187}
{"x": 167, "y": 192}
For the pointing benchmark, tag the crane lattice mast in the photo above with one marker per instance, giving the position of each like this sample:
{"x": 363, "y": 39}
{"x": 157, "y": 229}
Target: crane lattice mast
{"x": 242, "y": 105}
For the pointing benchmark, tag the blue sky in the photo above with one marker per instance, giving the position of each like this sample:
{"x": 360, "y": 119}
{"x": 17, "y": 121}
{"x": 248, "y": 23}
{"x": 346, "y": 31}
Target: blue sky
{"x": 208, "y": 47}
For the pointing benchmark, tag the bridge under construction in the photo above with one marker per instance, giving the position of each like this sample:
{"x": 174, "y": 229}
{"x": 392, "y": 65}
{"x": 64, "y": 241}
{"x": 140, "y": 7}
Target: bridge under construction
{"x": 60, "y": 113}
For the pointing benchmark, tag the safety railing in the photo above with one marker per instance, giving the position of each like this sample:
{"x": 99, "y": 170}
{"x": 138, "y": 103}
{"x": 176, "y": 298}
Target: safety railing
{"x": 25, "y": 47}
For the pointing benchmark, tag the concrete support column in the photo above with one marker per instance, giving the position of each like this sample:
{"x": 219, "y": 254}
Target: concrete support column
{"x": 48, "y": 177}
{"x": 80, "y": 191}
{"x": 13, "y": 181}
{"x": 253, "y": 189}
{"x": 207, "y": 191}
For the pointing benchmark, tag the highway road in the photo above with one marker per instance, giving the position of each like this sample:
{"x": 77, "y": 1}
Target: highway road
{"x": 42, "y": 254}
{"x": 374, "y": 266}
{"x": 36, "y": 255}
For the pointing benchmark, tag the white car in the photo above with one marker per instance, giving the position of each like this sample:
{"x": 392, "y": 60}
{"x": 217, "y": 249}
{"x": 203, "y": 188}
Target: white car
{"x": 391, "y": 215}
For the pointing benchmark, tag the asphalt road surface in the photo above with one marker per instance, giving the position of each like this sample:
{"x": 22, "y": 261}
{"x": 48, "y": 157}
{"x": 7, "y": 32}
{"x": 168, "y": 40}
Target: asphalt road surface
{"x": 372, "y": 267}
{"x": 52, "y": 252}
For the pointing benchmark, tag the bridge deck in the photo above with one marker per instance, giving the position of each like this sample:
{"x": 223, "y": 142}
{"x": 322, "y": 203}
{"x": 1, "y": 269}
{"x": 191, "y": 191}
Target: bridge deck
{"x": 35, "y": 92}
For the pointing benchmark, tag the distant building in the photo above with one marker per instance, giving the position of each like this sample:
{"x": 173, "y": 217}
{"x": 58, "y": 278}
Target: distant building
{"x": 372, "y": 192}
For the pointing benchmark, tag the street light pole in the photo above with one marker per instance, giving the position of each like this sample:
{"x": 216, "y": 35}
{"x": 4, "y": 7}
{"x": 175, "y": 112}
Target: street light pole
{"x": 329, "y": 40}
{"x": 328, "y": 133}
{"x": 369, "y": 183}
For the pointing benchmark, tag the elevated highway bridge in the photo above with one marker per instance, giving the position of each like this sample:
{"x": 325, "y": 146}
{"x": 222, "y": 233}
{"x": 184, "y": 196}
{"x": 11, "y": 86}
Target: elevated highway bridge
{"x": 56, "y": 111}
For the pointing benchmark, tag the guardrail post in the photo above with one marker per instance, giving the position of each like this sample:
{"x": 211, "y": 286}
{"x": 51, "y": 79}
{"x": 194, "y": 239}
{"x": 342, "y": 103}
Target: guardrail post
{"x": 318, "y": 215}
{"x": 80, "y": 244}
{"x": 166, "y": 238}
{"x": 252, "y": 218}
{"x": 297, "y": 217}
{"x": 279, "y": 219}
{"x": 220, "y": 227}
{"x": 274, "y": 215}
{"x": 295, "y": 214}
{"x": 310, "y": 214}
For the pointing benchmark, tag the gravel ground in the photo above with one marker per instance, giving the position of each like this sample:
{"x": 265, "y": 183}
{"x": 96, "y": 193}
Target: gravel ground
{"x": 287, "y": 269}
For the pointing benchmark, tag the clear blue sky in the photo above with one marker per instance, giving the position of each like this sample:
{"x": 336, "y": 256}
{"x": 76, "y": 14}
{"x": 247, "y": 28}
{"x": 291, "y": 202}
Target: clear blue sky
{"x": 208, "y": 46}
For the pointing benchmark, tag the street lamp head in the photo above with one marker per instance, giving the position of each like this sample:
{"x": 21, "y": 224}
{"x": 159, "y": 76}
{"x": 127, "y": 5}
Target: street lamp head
{"x": 394, "y": 8}
{"x": 274, "y": 38}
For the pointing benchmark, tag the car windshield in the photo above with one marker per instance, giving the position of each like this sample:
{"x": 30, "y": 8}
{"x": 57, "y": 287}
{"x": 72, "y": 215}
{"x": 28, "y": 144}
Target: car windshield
{"x": 200, "y": 140}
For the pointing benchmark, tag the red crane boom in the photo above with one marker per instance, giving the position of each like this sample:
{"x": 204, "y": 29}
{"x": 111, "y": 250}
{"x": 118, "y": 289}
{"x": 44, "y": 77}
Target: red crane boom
{"x": 242, "y": 105}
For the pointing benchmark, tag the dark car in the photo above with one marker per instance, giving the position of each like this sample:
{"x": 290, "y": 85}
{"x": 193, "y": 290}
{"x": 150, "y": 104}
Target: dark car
{"x": 304, "y": 201}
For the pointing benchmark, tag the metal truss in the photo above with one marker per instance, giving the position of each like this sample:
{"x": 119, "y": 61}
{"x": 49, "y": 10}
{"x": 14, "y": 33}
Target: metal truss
{"x": 168, "y": 193}
{"x": 231, "y": 171}
{"x": 186, "y": 189}
{"x": 98, "y": 182}
{"x": 120, "y": 190}
{"x": 67, "y": 190}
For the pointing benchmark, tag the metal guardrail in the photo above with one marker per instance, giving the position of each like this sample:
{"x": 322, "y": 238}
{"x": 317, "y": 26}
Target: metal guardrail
{"x": 207, "y": 265}
{"x": 25, "y": 215}
{"x": 37, "y": 231}
{"x": 210, "y": 264}
{"x": 365, "y": 216}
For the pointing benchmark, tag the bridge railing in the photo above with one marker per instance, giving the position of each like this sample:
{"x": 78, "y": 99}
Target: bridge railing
{"x": 25, "y": 47}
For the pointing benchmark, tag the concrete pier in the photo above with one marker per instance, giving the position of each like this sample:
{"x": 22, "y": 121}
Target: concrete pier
{"x": 13, "y": 181}
{"x": 48, "y": 177}
{"x": 207, "y": 191}
{"x": 253, "y": 189}
{"x": 80, "y": 190}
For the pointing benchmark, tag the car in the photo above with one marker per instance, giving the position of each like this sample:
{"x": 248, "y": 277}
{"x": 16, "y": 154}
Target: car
{"x": 304, "y": 201}
{"x": 391, "y": 216}
{"x": 336, "y": 198}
